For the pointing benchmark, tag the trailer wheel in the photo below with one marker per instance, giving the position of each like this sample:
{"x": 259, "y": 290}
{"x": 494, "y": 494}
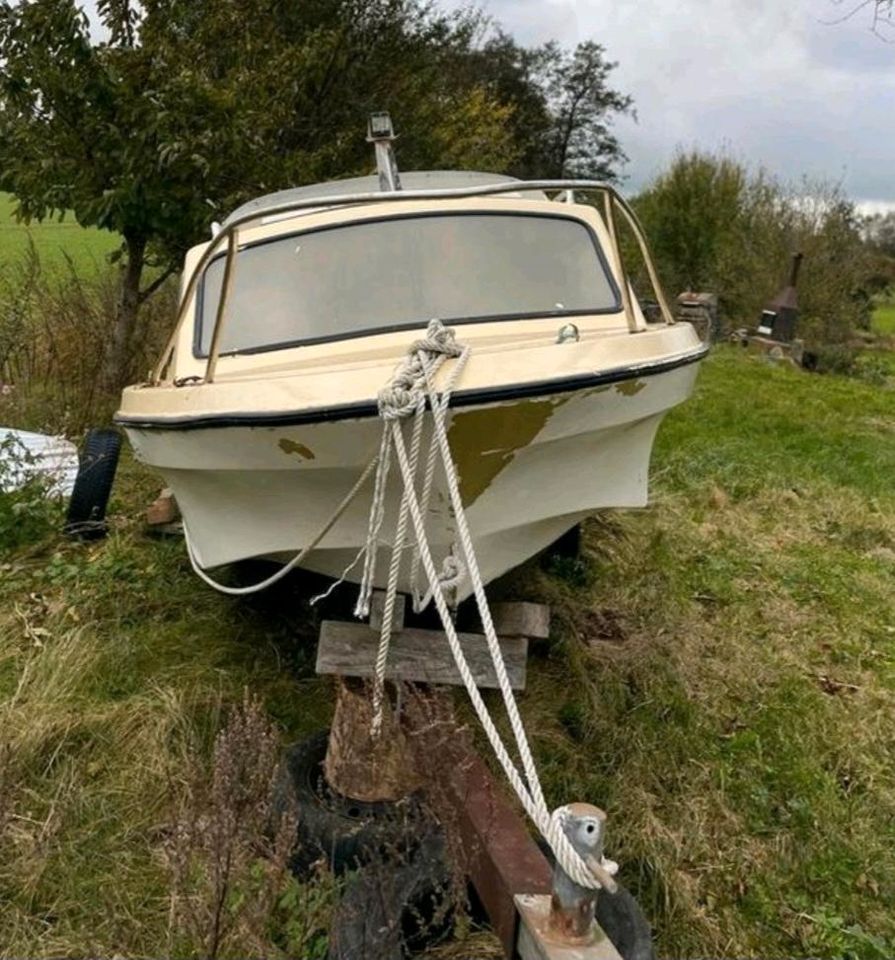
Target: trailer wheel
{"x": 390, "y": 911}
{"x": 86, "y": 516}
{"x": 345, "y": 833}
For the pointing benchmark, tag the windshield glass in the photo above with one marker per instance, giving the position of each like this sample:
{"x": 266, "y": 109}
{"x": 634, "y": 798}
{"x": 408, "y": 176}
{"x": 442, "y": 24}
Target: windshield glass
{"x": 401, "y": 272}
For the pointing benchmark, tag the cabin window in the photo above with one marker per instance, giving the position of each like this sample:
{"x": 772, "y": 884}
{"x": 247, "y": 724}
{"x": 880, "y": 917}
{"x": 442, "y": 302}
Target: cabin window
{"x": 401, "y": 272}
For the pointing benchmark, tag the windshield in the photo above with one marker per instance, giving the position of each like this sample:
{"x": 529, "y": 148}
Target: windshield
{"x": 401, "y": 272}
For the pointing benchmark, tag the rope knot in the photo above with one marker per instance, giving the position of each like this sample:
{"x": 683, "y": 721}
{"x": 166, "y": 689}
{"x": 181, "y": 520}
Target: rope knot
{"x": 405, "y": 392}
{"x": 439, "y": 339}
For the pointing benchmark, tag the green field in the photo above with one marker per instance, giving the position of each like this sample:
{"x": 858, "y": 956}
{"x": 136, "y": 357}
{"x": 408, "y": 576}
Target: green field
{"x": 884, "y": 319}
{"x": 721, "y": 679}
{"x": 53, "y": 240}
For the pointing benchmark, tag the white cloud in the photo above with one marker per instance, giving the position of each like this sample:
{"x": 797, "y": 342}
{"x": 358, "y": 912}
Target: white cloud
{"x": 768, "y": 80}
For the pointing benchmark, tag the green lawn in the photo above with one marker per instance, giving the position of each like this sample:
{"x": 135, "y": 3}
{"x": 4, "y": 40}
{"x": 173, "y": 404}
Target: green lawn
{"x": 884, "y": 319}
{"x": 721, "y": 679}
{"x": 53, "y": 240}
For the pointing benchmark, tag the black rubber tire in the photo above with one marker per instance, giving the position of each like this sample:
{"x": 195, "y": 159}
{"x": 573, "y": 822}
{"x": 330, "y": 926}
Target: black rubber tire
{"x": 621, "y": 918}
{"x": 86, "y": 516}
{"x": 568, "y": 545}
{"x": 345, "y": 833}
{"x": 391, "y": 911}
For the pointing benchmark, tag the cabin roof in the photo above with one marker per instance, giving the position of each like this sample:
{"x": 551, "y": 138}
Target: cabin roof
{"x": 413, "y": 180}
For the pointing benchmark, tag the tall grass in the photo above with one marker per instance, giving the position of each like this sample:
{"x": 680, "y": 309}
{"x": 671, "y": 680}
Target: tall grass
{"x": 54, "y": 328}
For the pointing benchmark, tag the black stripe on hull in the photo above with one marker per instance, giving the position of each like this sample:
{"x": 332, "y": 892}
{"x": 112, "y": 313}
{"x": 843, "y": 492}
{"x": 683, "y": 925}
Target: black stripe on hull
{"x": 462, "y": 398}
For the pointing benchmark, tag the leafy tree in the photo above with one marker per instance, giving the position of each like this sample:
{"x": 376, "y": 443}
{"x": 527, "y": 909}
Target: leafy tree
{"x": 188, "y": 107}
{"x": 690, "y": 212}
{"x": 580, "y": 142}
{"x": 880, "y": 232}
{"x": 716, "y": 225}
{"x": 563, "y": 106}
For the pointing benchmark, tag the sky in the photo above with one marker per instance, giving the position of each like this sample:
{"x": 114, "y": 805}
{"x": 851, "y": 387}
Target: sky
{"x": 766, "y": 80}
{"x": 772, "y": 82}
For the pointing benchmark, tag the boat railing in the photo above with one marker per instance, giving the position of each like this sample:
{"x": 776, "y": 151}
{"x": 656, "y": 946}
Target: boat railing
{"x": 228, "y": 236}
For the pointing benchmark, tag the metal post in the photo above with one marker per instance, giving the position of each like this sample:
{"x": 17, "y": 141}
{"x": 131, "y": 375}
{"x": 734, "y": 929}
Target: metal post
{"x": 627, "y": 302}
{"x": 381, "y": 134}
{"x": 572, "y": 906}
{"x": 226, "y": 286}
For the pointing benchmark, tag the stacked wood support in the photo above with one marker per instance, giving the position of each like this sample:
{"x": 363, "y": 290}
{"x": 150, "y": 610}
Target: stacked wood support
{"x": 510, "y": 873}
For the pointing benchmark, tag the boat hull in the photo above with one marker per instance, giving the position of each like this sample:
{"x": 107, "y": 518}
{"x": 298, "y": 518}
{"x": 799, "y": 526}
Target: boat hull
{"x": 529, "y": 469}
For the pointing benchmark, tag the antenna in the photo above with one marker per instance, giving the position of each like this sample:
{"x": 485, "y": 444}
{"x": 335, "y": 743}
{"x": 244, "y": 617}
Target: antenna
{"x": 381, "y": 134}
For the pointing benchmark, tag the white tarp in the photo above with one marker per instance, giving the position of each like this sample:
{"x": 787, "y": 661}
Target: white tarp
{"x": 25, "y": 455}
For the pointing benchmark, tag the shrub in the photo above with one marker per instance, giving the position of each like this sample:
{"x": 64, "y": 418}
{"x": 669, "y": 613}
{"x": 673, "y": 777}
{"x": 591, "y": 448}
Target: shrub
{"x": 716, "y": 225}
{"x": 53, "y": 330}
{"x": 28, "y": 510}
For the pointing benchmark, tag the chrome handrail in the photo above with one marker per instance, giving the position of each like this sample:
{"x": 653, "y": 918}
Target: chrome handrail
{"x": 229, "y": 233}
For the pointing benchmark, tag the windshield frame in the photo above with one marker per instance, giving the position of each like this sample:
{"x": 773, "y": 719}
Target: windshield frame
{"x": 603, "y": 261}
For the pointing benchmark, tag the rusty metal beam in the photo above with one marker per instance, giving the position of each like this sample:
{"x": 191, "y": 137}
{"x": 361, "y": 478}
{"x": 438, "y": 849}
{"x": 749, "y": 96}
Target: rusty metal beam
{"x": 500, "y": 857}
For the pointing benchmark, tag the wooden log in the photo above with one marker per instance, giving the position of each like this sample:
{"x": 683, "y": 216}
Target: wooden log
{"x": 420, "y": 656}
{"x": 521, "y": 619}
{"x": 359, "y": 765}
{"x": 377, "y": 607}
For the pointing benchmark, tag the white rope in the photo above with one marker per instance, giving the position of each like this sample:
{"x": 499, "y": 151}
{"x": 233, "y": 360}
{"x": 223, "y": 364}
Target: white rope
{"x": 406, "y": 396}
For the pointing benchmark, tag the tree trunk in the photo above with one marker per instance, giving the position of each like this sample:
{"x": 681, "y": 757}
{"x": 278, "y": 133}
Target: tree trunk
{"x": 117, "y": 354}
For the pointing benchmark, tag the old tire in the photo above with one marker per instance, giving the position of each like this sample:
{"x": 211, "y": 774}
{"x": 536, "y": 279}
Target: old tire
{"x": 622, "y": 920}
{"x": 86, "y": 516}
{"x": 390, "y": 910}
{"x": 345, "y": 833}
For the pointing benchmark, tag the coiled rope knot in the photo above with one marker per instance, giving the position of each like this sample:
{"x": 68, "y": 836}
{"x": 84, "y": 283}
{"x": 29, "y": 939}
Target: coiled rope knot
{"x": 452, "y": 570}
{"x": 406, "y": 391}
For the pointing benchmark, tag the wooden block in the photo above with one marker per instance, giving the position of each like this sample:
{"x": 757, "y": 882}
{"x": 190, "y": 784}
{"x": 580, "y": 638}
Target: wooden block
{"x": 536, "y": 940}
{"x": 520, "y": 619}
{"x": 163, "y": 509}
{"x": 377, "y": 604}
{"x": 422, "y": 656}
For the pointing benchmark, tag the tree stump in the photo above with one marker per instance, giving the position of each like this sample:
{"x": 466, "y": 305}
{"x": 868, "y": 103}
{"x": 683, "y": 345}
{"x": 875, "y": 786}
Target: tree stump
{"x": 359, "y": 765}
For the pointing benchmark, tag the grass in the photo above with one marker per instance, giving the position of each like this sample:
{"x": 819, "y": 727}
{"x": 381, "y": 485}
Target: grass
{"x": 721, "y": 679}
{"x": 54, "y": 240}
{"x": 884, "y": 319}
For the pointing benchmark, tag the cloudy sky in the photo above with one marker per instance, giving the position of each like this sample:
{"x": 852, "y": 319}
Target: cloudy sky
{"x": 766, "y": 79}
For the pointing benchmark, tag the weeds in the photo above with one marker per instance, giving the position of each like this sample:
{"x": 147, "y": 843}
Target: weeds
{"x": 228, "y": 853}
{"x": 30, "y": 508}
{"x": 54, "y": 330}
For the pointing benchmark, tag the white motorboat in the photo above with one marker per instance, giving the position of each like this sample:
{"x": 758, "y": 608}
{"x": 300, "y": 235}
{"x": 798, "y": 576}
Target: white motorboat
{"x": 262, "y": 412}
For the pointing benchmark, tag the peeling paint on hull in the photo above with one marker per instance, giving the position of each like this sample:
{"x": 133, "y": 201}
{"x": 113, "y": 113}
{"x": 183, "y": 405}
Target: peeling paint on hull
{"x": 529, "y": 470}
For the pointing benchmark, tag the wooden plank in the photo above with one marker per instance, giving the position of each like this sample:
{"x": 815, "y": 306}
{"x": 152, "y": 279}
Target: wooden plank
{"x": 421, "y": 656}
{"x": 377, "y": 606}
{"x": 537, "y": 941}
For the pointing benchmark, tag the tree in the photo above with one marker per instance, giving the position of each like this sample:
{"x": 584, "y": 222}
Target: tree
{"x": 581, "y": 105}
{"x": 563, "y": 106}
{"x": 190, "y": 107}
{"x": 881, "y": 12}
{"x": 690, "y": 212}
{"x": 879, "y": 230}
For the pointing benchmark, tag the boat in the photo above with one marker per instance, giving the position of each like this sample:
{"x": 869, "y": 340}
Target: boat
{"x": 262, "y": 413}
